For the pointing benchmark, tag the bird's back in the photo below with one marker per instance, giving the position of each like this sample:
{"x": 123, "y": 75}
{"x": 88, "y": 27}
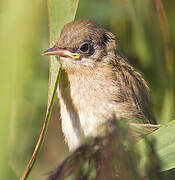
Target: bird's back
{"x": 134, "y": 90}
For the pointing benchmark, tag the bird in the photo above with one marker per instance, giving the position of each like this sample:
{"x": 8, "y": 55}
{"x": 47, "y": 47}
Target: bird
{"x": 97, "y": 82}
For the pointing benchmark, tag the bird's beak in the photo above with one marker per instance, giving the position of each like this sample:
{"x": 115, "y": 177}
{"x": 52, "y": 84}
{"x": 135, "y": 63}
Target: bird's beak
{"x": 55, "y": 51}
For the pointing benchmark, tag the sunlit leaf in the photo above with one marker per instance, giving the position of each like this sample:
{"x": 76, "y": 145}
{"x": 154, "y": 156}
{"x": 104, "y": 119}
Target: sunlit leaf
{"x": 165, "y": 146}
{"x": 60, "y": 13}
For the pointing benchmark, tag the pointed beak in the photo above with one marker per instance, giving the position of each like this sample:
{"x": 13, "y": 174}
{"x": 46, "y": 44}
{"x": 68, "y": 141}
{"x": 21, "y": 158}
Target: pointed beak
{"x": 55, "y": 51}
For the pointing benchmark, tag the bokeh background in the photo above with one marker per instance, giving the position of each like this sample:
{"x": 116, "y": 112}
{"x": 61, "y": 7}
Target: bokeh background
{"x": 146, "y": 36}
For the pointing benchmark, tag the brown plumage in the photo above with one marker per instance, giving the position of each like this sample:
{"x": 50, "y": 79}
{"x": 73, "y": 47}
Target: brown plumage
{"x": 97, "y": 83}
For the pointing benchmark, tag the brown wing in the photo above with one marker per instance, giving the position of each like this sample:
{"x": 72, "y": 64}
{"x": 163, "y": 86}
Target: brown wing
{"x": 136, "y": 89}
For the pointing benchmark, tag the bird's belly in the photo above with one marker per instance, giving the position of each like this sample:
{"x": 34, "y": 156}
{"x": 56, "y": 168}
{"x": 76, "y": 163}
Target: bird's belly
{"x": 72, "y": 135}
{"x": 82, "y": 122}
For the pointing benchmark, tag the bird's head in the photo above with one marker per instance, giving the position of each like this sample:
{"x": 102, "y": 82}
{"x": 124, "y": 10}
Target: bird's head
{"x": 83, "y": 43}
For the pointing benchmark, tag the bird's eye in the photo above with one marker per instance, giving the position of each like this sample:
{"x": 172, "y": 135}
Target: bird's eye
{"x": 85, "y": 48}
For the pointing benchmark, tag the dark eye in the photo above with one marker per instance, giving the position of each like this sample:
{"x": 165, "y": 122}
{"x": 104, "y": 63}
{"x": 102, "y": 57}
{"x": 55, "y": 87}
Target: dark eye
{"x": 85, "y": 48}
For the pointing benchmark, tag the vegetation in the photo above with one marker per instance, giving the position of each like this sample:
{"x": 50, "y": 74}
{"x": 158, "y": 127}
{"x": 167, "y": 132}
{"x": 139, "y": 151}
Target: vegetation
{"x": 145, "y": 32}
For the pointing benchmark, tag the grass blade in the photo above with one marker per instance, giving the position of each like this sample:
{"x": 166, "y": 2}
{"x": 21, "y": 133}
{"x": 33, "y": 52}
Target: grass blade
{"x": 59, "y": 14}
{"x": 164, "y": 145}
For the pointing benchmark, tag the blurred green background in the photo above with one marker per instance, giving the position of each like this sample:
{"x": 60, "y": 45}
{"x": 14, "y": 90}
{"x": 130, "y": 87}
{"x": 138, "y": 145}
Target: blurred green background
{"x": 24, "y": 35}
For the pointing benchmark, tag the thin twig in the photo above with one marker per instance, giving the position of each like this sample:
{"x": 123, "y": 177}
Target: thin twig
{"x": 42, "y": 133}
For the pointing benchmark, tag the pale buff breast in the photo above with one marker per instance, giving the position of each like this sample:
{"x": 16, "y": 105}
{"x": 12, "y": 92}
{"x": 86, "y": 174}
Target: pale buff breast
{"x": 89, "y": 98}
{"x": 85, "y": 103}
